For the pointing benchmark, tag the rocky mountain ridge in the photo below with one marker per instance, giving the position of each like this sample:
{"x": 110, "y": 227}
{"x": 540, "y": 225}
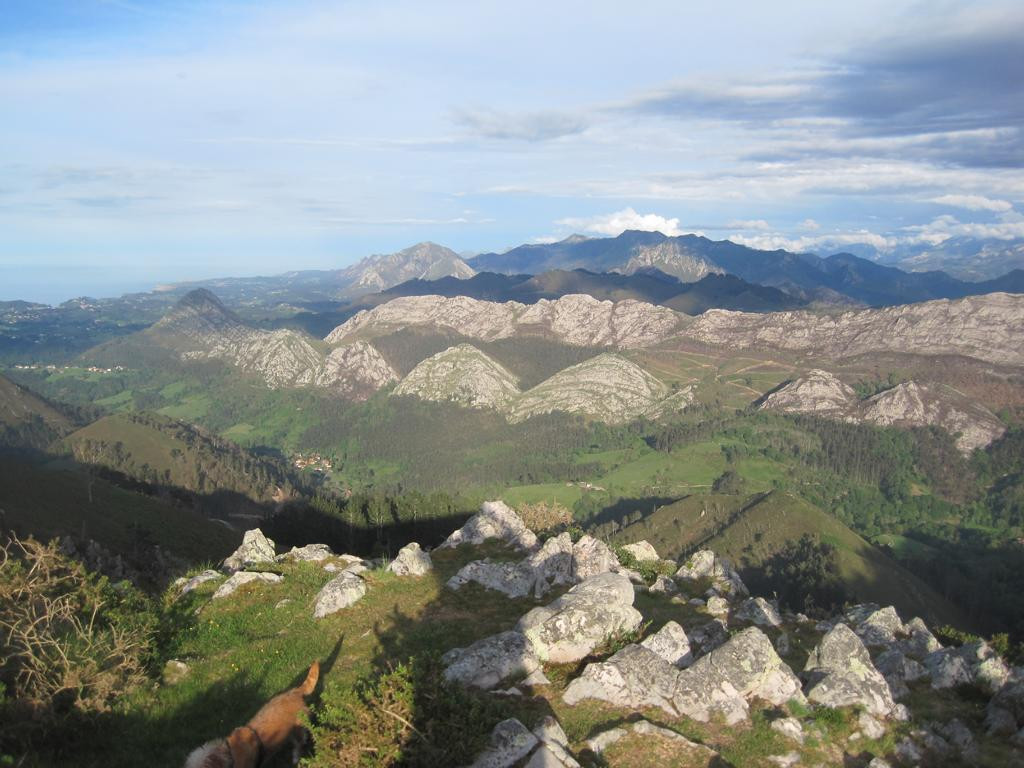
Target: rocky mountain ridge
{"x": 463, "y": 375}
{"x": 200, "y": 327}
{"x": 989, "y": 328}
{"x": 575, "y": 319}
{"x": 909, "y": 404}
{"x": 423, "y": 261}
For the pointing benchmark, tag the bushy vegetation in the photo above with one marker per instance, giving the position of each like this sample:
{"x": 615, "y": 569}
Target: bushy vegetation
{"x": 71, "y": 643}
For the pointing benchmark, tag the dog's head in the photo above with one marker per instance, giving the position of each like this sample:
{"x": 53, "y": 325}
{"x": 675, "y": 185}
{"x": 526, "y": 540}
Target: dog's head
{"x": 246, "y": 747}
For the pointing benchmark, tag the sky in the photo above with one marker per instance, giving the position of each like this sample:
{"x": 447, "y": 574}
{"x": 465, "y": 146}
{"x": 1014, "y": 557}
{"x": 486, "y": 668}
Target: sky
{"x": 144, "y": 142}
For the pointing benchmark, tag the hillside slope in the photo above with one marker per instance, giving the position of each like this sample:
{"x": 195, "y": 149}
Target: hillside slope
{"x": 163, "y": 452}
{"x": 749, "y": 531}
{"x": 28, "y": 421}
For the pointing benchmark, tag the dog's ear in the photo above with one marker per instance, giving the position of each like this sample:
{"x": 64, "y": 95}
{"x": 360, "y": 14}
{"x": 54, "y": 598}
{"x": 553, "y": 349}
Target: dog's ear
{"x": 309, "y": 684}
{"x": 244, "y": 746}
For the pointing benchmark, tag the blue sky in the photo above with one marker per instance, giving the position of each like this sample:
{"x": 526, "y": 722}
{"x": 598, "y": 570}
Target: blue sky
{"x": 145, "y": 142}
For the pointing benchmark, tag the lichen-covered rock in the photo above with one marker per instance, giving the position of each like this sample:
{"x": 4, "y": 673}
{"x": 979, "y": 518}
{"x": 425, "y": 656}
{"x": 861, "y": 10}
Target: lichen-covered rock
{"x": 671, "y": 643}
{"x": 495, "y": 520}
{"x": 870, "y": 726}
{"x": 313, "y": 553}
{"x": 680, "y": 746}
{"x": 839, "y": 673}
{"x": 254, "y": 549}
{"x": 634, "y": 678}
{"x": 572, "y": 626}
{"x": 880, "y": 627}
{"x": 642, "y": 551}
{"x": 553, "y": 751}
{"x": 511, "y": 741}
{"x": 243, "y": 577}
{"x": 601, "y": 741}
{"x": 718, "y": 606}
{"x": 758, "y": 611}
{"x": 590, "y": 557}
{"x": 488, "y": 662}
{"x": 898, "y": 670}
{"x": 663, "y": 585}
{"x": 705, "y": 564}
{"x": 988, "y": 669}
{"x": 200, "y": 578}
{"x": 921, "y": 641}
{"x": 339, "y": 593}
{"x": 709, "y": 636}
{"x": 818, "y": 392}
{"x": 411, "y": 561}
{"x": 947, "y": 669}
{"x": 744, "y": 667}
{"x": 789, "y": 727}
{"x": 551, "y": 565}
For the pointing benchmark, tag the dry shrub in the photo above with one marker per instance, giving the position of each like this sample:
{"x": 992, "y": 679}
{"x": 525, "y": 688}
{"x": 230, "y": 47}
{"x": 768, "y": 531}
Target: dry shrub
{"x": 70, "y": 642}
{"x": 545, "y": 516}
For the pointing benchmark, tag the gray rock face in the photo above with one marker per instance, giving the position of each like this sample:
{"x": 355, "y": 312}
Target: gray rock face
{"x": 672, "y": 258}
{"x": 411, "y": 561}
{"x": 314, "y": 553}
{"x": 511, "y": 741}
{"x": 898, "y": 670}
{"x": 718, "y": 606}
{"x": 760, "y": 612}
{"x": 643, "y": 551}
{"x": 339, "y": 593}
{"x": 590, "y": 557}
{"x": 243, "y": 577}
{"x": 989, "y": 328}
{"x": 670, "y": 643}
{"x": 921, "y": 641}
{"x": 663, "y": 585}
{"x": 988, "y": 670}
{"x": 947, "y": 669}
{"x": 634, "y": 678}
{"x": 463, "y": 375}
{"x": 572, "y": 319}
{"x": 553, "y": 751}
{"x": 495, "y": 520}
{"x": 607, "y": 387}
{"x": 536, "y": 573}
{"x": 881, "y": 627}
{"x": 789, "y": 727}
{"x": 680, "y": 744}
{"x": 1005, "y": 712}
{"x": 724, "y": 680}
{"x": 601, "y": 741}
{"x": 572, "y": 626}
{"x": 255, "y": 548}
{"x": 201, "y": 328}
{"x": 423, "y": 261}
{"x": 200, "y": 578}
{"x": 487, "y": 662}
{"x": 705, "y": 564}
{"x": 839, "y": 673}
{"x": 818, "y": 392}
{"x": 709, "y": 636}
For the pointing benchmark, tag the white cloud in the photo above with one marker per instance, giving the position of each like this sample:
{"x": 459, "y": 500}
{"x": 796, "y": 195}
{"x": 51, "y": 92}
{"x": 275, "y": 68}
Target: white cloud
{"x": 973, "y": 203}
{"x": 614, "y": 224}
{"x": 759, "y": 225}
{"x": 810, "y": 224}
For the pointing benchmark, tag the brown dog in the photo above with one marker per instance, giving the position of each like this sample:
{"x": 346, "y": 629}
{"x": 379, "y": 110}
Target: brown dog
{"x": 250, "y": 745}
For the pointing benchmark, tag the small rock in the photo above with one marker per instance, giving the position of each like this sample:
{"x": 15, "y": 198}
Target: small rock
{"x": 572, "y": 626}
{"x": 282, "y": 603}
{"x": 709, "y": 636}
{"x": 411, "y": 561}
{"x": 243, "y": 577}
{"x": 311, "y": 553}
{"x": 199, "y": 578}
{"x": 718, "y": 606}
{"x": 782, "y": 644}
{"x": 921, "y": 641}
{"x": 495, "y": 520}
{"x": 671, "y": 644}
{"x": 255, "y": 548}
{"x": 880, "y": 627}
{"x": 758, "y": 611}
{"x": 947, "y": 669}
{"x": 839, "y": 673}
{"x": 908, "y": 752}
{"x": 663, "y": 585}
{"x": 511, "y": 741}
{"x": 789, "y": 727}
{"x": 487, "y": 662}
{"x": 870, "y": 727}
{"x": 599, "y": 743}
{"x": 535, "y": 678}
{"x": 174, "y": 672}
{"x": 787, "y": 760}
{"x": 339, "y": 593}
{"x": 702, "y": 754}
{"x": 877, "y": 762}
{"x": 959, "y": 736}
{"x": 705, "y": 564}
{"x": 591, "y": 557}
{"x": 642, "y": 552}
{"x": 554, "y": 746}
{"x": 331, "y": 568}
